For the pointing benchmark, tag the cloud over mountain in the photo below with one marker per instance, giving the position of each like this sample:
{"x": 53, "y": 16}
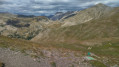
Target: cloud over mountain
{"x": 37, "y": 7}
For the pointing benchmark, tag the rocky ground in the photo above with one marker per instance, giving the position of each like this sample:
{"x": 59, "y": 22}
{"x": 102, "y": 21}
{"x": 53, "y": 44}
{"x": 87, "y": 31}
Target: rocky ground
{"x": 45, "y": 59}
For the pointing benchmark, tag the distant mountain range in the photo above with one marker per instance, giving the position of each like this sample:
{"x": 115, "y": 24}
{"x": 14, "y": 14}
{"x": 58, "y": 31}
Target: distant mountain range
{"x": 28, "y": 27}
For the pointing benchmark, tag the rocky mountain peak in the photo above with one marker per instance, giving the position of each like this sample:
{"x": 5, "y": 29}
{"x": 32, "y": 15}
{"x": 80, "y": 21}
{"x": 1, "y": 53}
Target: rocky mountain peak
{"x": 101, "y": 5}
{"x": 59, "y": 13}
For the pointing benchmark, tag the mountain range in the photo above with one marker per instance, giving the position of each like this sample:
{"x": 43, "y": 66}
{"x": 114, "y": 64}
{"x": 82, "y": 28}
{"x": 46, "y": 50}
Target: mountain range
{"x": 96, "y": 27}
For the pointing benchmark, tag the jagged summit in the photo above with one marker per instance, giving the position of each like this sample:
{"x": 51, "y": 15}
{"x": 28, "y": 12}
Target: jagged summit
{"x": 101, "y": 5}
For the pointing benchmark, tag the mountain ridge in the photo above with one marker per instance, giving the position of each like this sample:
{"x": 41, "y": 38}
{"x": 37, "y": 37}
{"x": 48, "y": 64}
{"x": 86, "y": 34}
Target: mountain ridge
{"x": 94, "y": 12}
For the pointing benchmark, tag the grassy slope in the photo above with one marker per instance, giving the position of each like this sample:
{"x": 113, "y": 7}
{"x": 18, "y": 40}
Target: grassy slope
{"x": 12, "y": 43}
{"x": 103, "y": 33}
{"x": 100, "y": 30}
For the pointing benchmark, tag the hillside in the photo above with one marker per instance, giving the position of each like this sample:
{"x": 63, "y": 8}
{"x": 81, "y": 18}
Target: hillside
{"x": 91, "y": 13}
{"x": 49, "y": 55}
{"x": 106, "y": 27}
{"x": 28, "y": 54}
{"x": 20, "y": 27}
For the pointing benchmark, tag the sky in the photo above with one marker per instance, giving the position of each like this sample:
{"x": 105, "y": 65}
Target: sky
{"x": 49, "y": 7}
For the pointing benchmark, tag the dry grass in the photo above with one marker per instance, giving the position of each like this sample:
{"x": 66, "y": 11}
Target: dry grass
{"x": 14, "y": 43}
{"x": 22, "y": 45}
{"x": 1, "y": 64}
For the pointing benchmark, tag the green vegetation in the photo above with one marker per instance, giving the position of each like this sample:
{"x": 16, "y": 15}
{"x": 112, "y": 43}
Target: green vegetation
{"x": 53, "y": 64}
{"x": 72, "y": 65}
{"x": 107, "y": 49}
